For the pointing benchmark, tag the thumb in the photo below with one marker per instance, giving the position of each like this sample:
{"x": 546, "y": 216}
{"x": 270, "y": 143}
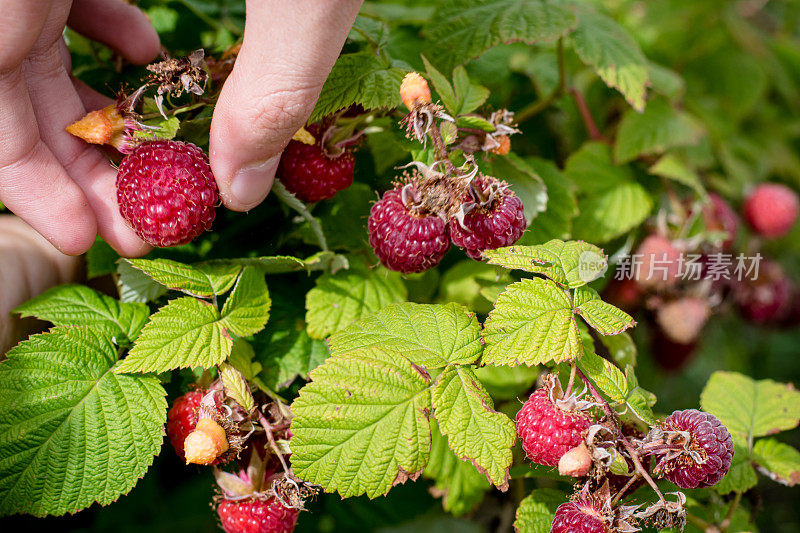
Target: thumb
{"x": 288, "y": 51}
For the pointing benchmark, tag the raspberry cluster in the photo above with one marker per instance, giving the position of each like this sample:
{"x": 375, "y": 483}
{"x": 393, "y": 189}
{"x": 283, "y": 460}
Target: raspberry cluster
{"x": 409, "y": 236}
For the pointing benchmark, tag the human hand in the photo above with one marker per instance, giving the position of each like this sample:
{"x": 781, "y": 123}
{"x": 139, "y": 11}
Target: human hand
{"x": 58, "y": 184}
{"x": 288, "y": 51}
{"x": 28, "y": 266}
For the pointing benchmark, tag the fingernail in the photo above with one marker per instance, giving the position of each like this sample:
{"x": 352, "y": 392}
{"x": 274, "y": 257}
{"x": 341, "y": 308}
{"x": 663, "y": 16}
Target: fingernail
{"x": 251, "y": 183}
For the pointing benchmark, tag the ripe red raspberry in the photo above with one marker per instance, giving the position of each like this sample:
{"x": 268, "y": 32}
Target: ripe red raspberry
{"x": 581, "y": 516}
{"x": 496, "y": 218}
{"x": 708, "y": 437}
{"x": 720, "y": 216}
{"x": 624, "y": 293}
{"x": 683, "y": 319}
{"x": 182, "y": 419}
{"x": 658, "y": 262}
{"x": 765, "y": 299}
{"x": 771, "y": 209}
{"x": 256, "y": 516}
{"x": 166, "y": 192}
{"x": 402, "y": 239}
{"x": 548, "y": 431}
{"x": 309, "y": 172}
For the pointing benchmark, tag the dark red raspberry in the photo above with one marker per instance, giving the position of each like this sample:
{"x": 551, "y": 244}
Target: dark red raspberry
{"x": 548, "y": 431}
{"x": 496, "y": 218}
{"x": 403, "y": 240}
{"x": 657, "y": 262}
{"x": 311, "y": 173}
{"x": 182, "y": 419}
{"x": 708, "y": 437}
{"x": 720, "y": 216}
{"x": 670, "y": 355}
{"x": 256, "y": 516}
{"x": 166, "y": 192}
{"x": 578, "y": 517}
{"x": 771, "y": 209}
{"x": 765, "y": 299}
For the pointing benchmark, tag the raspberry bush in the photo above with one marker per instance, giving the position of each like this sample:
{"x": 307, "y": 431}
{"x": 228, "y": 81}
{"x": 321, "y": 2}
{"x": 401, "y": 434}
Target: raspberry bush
{"x": 428, "y": 323}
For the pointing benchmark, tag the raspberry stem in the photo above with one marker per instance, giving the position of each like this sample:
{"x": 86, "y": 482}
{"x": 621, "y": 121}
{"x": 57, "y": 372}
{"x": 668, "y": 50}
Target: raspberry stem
{"x": 540, "y": 105}
{"x": 440, "y": 150}
{"x": 291, "y": 201}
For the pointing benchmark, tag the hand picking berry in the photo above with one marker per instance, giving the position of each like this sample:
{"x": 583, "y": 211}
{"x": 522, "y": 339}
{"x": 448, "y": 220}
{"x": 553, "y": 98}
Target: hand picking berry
{"x": 547, "y": 425}
{"x": 166, "y": 192}
{"x": 311, "y": 172}
{"x": 494, "y": 217}
{"x": 403, "y": 238}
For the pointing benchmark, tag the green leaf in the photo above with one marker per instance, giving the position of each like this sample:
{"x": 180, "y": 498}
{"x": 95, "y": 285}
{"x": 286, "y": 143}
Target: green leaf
{"x": 432, "y": 336}
{"x": 602, "y": 316}
{"x": 741, "y": 476}
{"x": 236, "y": 387}
{"x": 361, "y": 425}
{"x": 370, "y": 29}
{"x": 284, "y": 349}
{"x": 506, "y": 383}
{"x": 659, "y": 128}
{"x": 464, "y": 29}
{"x": 159, "y": 128}
{"x": 203, "y": 280}
{"x": 666, "y": 82}
{"x": 100, "y": 259}
{"x": 672, "y": 167}
{"x": 536, "y": 512}
{"x": 531, "y": 324}
{"x": 360, "y": 78}
{"x": 524, "y": 182}
{"x": 458, "y": 482}
{"x": 475, "y": 122}
{"x": 605, "y": 45}
{"x": 246, "y": 310}
{"x": 621, "y": 348}
{"x": 750, "y": 408}
{"x": 241, "y": 358}
{"x": 340, "y": 299}
{"x": 474, "y": 430}
{"x": 570, "y": 264}
{"x": 71, "y": 432}
{"x": 470, "y": 96}
{"x": 79, "y": 305}
{"x": 621, "y": 389}
{"x": 136, "y": 286}
{"x": 592, "y": 170}
{"x": 606, "y": 376}
{"x": 561, "y": 209}
{"x": 442, "y": 87}
{"x": 184, "y": 333}
{"x": 613, "y": 213}
{"x": 779, "y": 461}
{"x": 464, "y": 284}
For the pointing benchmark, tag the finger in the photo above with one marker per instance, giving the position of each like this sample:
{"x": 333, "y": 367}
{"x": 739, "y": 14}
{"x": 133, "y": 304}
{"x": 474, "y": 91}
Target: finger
{"x": 32, "y": 182}
{"x": 56, "y": 104}
{"x": 90, "y": 98}
{"x": 117, "y": 24}
{"x": 288, "y": 50}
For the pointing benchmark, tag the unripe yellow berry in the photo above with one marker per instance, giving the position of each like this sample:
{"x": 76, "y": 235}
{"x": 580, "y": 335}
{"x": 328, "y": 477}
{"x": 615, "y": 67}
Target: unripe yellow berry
{"x": 414, "y": 91}
{"x": 207, "y": 442}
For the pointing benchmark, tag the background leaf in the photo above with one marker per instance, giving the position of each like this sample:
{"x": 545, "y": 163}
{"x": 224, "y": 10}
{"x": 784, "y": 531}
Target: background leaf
{"x": 474, "y": 430}
{"x": 432, "y": 336}
{"x": 71, "y": 431}
{"x": 184, "y": 333}
{"x": 361, "y": 426}
{"x": 246, "y": 310}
